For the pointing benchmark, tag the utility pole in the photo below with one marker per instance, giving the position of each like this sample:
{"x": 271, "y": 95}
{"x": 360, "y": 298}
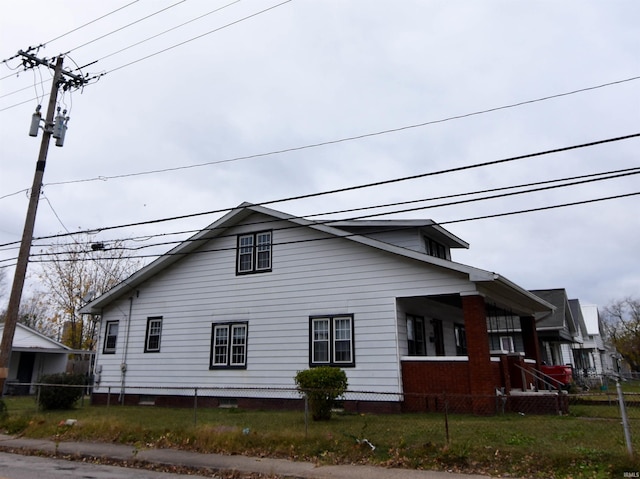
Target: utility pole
{"x": 59, "y": 79}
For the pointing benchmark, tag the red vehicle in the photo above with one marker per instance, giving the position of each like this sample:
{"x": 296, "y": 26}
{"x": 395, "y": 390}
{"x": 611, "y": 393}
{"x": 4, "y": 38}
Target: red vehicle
{"x": 562, "y": 374}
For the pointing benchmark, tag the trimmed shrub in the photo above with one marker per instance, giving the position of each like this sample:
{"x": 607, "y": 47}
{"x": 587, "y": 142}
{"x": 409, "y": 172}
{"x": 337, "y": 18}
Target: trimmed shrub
{"x": 62, "y": 390}
{"x": 322, "y": 386}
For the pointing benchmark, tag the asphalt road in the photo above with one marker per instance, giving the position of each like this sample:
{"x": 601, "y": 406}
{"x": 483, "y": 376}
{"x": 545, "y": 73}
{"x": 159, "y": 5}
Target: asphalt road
{"x": 17, "y": 466}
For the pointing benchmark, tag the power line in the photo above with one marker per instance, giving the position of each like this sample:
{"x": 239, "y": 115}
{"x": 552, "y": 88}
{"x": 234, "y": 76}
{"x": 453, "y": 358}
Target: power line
{"x": 439, "y": 172}
{"x": 497, "y": 215}
{"x": 163, "y": 32}
{"x": 340, "y": 140}
{"x": 379, "y": 183}
{"x": 543, "y": 208}
{"x": 125, "y": 26}
{"x": 330, "y": 222}
{"x": 587, "y": 178}
{"x": 582, "y": 179}
{"x": 164, "y": 50}
{"x": 91, "y": 22}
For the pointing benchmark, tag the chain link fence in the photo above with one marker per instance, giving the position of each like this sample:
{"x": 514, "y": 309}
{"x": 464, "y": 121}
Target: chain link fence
{"x": 593, "y": 426}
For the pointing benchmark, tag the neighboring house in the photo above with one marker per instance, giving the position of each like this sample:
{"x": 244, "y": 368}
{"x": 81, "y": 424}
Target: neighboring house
{"x": 32, "y": 356}
{"x": 600, "y": 353}
{"x": 557, "y": 330}
{"x": 260, "y": 294}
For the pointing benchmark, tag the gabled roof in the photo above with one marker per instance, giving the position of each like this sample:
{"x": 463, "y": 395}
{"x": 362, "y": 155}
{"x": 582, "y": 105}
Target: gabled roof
{"x": 591, "y": 318}
{"x": 561, "y": 320}
{"x": 433, "y": 229}
{"x": 493, "y": 282}
{"x": 576, "y": 312}
{"x": 27, "y": 339}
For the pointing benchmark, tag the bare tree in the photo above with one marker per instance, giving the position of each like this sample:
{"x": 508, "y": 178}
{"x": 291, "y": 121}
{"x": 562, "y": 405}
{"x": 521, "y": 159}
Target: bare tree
{"x": 622, "y": 324}
{"x": 74, "y": 272}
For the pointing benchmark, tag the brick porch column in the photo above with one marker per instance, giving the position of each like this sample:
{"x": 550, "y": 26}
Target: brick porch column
{"x": 481, "y": 380}
{"x": 530, "y": 339}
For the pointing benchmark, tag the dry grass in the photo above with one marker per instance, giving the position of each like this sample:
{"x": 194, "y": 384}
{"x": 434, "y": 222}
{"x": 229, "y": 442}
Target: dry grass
{"x": 587, "y": 444}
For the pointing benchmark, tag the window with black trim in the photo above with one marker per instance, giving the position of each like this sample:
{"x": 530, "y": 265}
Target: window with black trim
{"x": 110, "y": 337}
{"x": 461, "y": 339}
{"x": 331, "y": 341}
{"x": 416, "y": 337}
{"x": 229, "y": 345}
{"x": 152, "y": 339}
{"x": 254, "y": 253}
{"x": 433, "y": 248}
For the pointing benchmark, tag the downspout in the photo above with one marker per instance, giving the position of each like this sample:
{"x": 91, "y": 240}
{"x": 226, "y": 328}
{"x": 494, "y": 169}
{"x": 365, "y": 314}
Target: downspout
{"x": 123, "y": 365}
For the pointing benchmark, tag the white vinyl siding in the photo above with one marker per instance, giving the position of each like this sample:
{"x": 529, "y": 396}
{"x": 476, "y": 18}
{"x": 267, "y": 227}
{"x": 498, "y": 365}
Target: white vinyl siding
{"x": 316, "y": 276}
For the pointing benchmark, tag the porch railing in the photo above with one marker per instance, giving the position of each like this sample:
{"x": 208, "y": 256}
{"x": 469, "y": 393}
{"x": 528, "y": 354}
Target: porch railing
{"x": 539, "y": 376}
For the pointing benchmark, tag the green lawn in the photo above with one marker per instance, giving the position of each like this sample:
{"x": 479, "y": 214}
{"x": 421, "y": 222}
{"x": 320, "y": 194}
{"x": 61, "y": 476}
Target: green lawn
{"x": 589, "y": 443}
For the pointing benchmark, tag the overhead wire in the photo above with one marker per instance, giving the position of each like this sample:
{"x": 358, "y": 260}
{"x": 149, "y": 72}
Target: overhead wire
{"x": 583, "y": 179}
{"x": 91, "y": 22}
{"x": 163, "y": 32}
{"x": 164, "y": 50}
{"x": 125, "y": 27}
{"x": 613, "y": 174}
{"x": 298, "y": 241}
{"x": 334, "y": 221}
{"x": 383, "y": 182}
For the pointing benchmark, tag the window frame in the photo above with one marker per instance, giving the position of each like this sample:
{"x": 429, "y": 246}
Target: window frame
{"x": 512, "y": 348}
{"x": 148, "y": 336}
{"x": 415, "y": 328}
{"x": 230, "y": 346}
{"x": 105, "y": 347}
{"x": 253, "y": 251}
{"x": 332, "y": 340}
{"x": 460, "y": 337}
{"x": 435, "y": 248}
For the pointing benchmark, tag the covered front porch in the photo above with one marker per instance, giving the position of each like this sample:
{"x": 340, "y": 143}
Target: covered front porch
{"x": 446, "y": 349}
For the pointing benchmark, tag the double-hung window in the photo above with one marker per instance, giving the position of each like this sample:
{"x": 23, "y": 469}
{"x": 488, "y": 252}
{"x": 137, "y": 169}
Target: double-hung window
{"x": 254, "y": 253}
{"x": 229, "y": 345}
{"x": 416, "y": 338}
{"x": 154, "y": 330}
{"x": 331, "y": 341}
{"x": 110, "y": 337}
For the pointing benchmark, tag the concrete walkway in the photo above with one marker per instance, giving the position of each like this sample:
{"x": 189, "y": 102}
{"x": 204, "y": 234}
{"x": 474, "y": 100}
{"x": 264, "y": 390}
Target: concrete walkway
{"x": 218, "y": 462}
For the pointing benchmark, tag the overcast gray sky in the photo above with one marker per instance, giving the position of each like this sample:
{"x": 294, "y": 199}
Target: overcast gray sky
{"x": 238, "y": 83}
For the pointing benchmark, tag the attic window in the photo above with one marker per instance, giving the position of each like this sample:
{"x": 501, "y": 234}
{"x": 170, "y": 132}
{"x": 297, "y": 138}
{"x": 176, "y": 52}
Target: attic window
{"x": 254, "y": 253}
{"x": 433, "y": 248}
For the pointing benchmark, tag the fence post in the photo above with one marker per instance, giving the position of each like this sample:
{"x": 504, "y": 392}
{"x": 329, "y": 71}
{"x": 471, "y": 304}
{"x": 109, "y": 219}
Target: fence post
{"x": 446, "y": 419}
{"x": 306, "y": 415}
{"x": 108, "y": 396}
{"x": 195, "y": 407}
{"x": 625, "y": 419}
